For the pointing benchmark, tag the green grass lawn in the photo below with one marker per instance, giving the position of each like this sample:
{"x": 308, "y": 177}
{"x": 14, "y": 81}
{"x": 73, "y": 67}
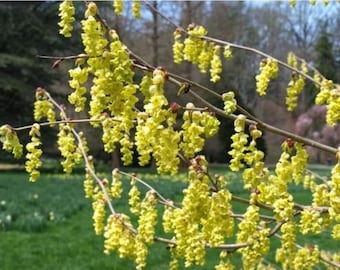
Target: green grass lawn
{"x": 48, "y": 225}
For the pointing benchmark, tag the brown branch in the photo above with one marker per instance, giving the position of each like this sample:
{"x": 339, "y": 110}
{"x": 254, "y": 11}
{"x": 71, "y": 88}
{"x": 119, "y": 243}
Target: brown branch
{"x": 67, "y": 121}
{"x": 71, "y": 57}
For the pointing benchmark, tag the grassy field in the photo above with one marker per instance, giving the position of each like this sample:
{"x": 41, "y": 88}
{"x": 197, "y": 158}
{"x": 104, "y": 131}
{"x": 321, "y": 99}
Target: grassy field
{"x": 47, "y": 225}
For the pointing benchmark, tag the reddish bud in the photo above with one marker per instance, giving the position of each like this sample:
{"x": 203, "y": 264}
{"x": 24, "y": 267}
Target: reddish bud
{"x": 252, "y": 127}
{"x": 290, "y": 142}
{"x": 213, "y": 189}
{"x": 105, "y": 114}
{"x": 264, "y": 61}
{"x": 56, "y": 63}
{"x": 166, "y": 74}
{"x": 179, "y": 30}
{"x": 191, "y": 26}
{"x": 160, "y": 68}
{"x": 255, "y": 191}
{"x": 40, "y": 90}
{"x": 174, "y": 107}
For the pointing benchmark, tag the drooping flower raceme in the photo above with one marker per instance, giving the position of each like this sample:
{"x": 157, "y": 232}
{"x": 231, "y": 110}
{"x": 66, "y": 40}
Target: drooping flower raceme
{"x": 33, "y": 161}
{"x": 268, "y": 70}
{"x": 66, "y": 14}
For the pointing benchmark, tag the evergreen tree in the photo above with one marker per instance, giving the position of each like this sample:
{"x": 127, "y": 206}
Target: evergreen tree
{"x": 20, "y": 41}
{"x": 325, "y": 60}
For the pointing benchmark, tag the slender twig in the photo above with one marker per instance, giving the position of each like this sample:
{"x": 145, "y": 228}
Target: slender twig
{"x": 145, "y": 184}
{"x": 70, "y": 57}
{"x": 67, "y": 121}
{"x": 322, "y": 178}
{"x": 264, "y": 217}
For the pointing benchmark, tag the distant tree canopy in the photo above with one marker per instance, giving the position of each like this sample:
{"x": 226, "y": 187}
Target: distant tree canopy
{"x": 27, "y": 29}
{"x": 325, "y": 60}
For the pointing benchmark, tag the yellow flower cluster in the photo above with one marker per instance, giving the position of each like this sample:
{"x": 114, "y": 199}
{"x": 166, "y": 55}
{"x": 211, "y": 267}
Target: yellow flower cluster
{"x": 184, "y": 222}
{"x": 296, "y": 83}
{"x": 257, "y": 238}
{"x": 241, "y": 154}
{"x": 134, "y": 198}
{"x": 336, "y": 232}
{"x": 136, "y": 6}
{"x": 91, "y": 9}
{"x": 329, "y": 95}
{"x": 310, "y": 221}
{"x": 118, "y": 6}
{"x": 89, "y": 179}
{"x": 174, "y": 263}
{"x": 93, "y": 37}
{"x": 116, "y": 184}
{"x": 43, "y": 107}
{"x": 147, "y": 218}
{"x": 99, "y": 211}
{"x": 10, "y": 141}
{"x": 204, "y": 219}
{"x": 334, "y": 194}
{"x": 320, "y": 195}
{"x": 194, "y": 44}
{"x": 143, "y": 139}
{"x": 167, "y": 150}
{"x": 196, "y": 127}
{"x": 33, "y": 161}
{"x": 291, "y": 60}
{"x": 289, "y": 168}
{"x": 66, "y": 14}
{"x": 216, "y": 65}
{"x": 219, "y": 223}
{"x": 126, "y": 149}
{"x": 257, "y": 172}
{"x": 299, "y": 162}
{"x": 285, "y": 254}
{"x": 68, "y": 148}
{"x": 79, "y": 77}
{"x": 230, "y": 103}
{"x": 227, "y": 53}
{"x": 295, "y": 87}
{"x": 225, "y": 263}
{"x": 283, "y": 207}
{"x": 206, "y": 56}
{"x": 113, "y": 91}
{"x": 145, "y": 85}
{"x": 306, "y": 258}
{"x": 199, "y": 52}
{"x": 292, "y": 3}
{"x": 118, "y": 236}
{"x": 268, "y": 70}
{"x": 240, "y": 140}
{"x": 111, "y": 133}
{"x": 177, "y": 47}
{"x": 155, "y": 126}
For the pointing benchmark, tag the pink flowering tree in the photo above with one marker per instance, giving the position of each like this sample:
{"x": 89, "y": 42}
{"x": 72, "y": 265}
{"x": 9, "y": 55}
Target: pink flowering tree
{"x": 311, "y": 124}
{"x": 172, "y": 130}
